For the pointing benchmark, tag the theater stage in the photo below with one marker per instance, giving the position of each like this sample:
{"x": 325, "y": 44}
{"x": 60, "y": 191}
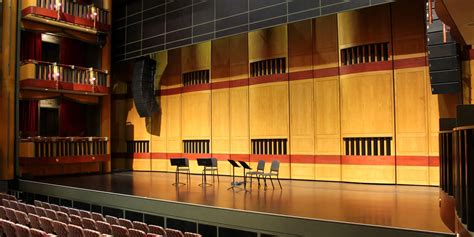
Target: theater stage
{"x": 390, "y": 206}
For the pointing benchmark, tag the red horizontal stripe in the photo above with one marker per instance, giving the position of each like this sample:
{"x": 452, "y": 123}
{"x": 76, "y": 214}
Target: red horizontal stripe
{"x": 301, "y": 75}
{"x": 327, "y": 159}
{"x": 241, "y": 157}
{"x": 194, "y": 88}
{"x": 222, "y": 157}
{"x": 412, "y": 160}
{"x": 171, "y": 91}
{"x": 48, "y": 13}
{"x": 366, "y": 67}
{"x": 157, "y": 155}
{"x": 326, "y": 72}
{"x": 302, "y": 159}
{"x": 239, "y": 83}
{"x": 410, "y": 62}
{"x": 195, "y": 156}
{"x": 220, "y": 85}
{"x": 63, "y": 160}
{"x": 270, "y": 158}
{"x": 368, "y": 160}
{"x": 268, "y": 79}
{"x": 434, "y": 161}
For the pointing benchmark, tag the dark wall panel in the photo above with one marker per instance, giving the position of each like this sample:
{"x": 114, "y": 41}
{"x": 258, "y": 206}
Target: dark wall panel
{"x": 145, "y": 26}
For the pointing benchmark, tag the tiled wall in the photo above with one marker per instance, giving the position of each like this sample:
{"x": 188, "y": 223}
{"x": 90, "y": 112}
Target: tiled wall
{"x": 141, "y": 27}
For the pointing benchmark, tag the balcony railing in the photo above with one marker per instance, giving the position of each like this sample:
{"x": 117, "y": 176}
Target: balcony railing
{"x": 58, "y": 74}
{"x": 89, "y": 12}
{"x": 47, "y": 147}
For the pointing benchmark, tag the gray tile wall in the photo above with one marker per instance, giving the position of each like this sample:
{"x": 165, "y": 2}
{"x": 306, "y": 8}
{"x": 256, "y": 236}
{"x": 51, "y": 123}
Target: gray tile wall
{"x": 141, "y": 27}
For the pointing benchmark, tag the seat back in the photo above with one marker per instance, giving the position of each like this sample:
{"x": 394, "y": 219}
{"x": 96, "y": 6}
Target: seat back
{"x": 8, "y": 227}
{"x": 37, "y": 233}
{"x": 261, "y": 165}
{"x": 38, "y": 203}
{"x": 88, "y": 223}
{"x": 63, "y": 217}
{"x": 112, "y": 220}
{"x": 76, "y": 220}
{"x": 22, "y": 218}
{"x": 154, "y": 229}
{"x": 75, "y": 231}
{"x": 46, "y": 224}
{"x": 3, "y": 213}
{"x": 14, "y": 205}
{"x": 190, "y": 234}
{"x": 141, "y": 226}
{"x": 46, "y": 205}
{"x": 173, "y": 233}
{"x": 22, "y": 207}
{"x": 31, "y": 209}
{"x": 60, "y": 229}
{"x": 97, "y": 216}
{"x": 119, "y": 231}
{"x": 51, "y": 214}
{"x": 85, "y": 214}
{"x": 22, "y": 231}
{"x": 73, "y": 211}
{"x": 5, "y": 203}
{"x": 55, "y": 207}
{"x": 275, "y": 166}
{"x": 34, "y": 221}
{"x": 126, "y": 223}
{"x": 91, "y": 233}
{"x": 64, "y": 209}
{"x": 136, "y": 233}
{"x": 104, "y": 227}
{"x": 40, "y": 211}
{"x": 214, "y": 162}
{"x": 10, "y": 214}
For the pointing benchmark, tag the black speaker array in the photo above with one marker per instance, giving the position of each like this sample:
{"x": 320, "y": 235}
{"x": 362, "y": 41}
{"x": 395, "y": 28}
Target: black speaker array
{"x": 143, "y": 87}
{"x": 443, "y": 58}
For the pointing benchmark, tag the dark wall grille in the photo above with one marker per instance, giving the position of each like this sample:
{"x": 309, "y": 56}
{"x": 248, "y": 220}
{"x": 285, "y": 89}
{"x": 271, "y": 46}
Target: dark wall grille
{"x": 196, "y": 146}
{"x": 368, "y": 146}
{"x": 138, "y": 147}
{"x": 367, "y": 53}
{"x": 269, "y": 146}
{"x": 268, "y": 67}
{"x": 196, "y": 77}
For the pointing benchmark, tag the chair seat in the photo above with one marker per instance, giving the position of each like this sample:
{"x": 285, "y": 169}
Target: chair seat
{"x": 268, "y": 174}
{"x": 255, "y": 173}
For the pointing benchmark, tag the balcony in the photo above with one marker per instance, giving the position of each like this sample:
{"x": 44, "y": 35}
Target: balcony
{"x": 46, "y": 76}
{"x": 66, "y": 13}
{"x": 54, "y": 155}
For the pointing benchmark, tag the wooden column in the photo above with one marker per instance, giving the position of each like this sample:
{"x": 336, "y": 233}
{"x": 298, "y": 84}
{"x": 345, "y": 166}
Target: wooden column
{"x": 7, "y": 90}
{"x": 106, "y": 65}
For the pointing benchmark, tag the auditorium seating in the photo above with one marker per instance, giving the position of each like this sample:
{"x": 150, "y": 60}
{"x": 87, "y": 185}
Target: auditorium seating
{"x": 45, "y": 219}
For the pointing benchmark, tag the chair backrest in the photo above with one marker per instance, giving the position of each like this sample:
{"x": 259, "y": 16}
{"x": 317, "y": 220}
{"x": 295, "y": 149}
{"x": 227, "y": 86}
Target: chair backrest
{"x": 126, "y": 223}
{"x": 275, "y": 166}
{"x": 63, "y": 217}
{"x": 31, "y": 209}
{"x": 46, "y": 224}
{"x": 88, "y": 223}
{"x": 119, "y": 231}
{"x": 10, "y": 214}
{"x": 5, "y": 203}
{"x": 40, "y": 211}
{"x": 73, "y": 211}
{"x": 60, "y": 229}
{"x": 14, "y": 205}
{"x": 190, "y": 234}
{"x": 34, "y": 221}
{"x": 22, "y": 207}
{"x": 75, "y": 231}
{"x": 22, "y": 231}
{"x": 97, "y": 216}
{"x": 64, "y": 209}
{"x": 8, "y": 227}
{"x": 214, "y": 162}
{"x": 91, "y": 233}
{"x": 3, "y": 213}
{"x": 85, "y": 214}
{"x": 75, "y": 220}
{"x": 104, "y": 227}
{"x": 141, "y": 226}
{"x": 37, "y": 233}
{"x": 22, "y": 218}
{"x": 261, "y": 165}
{"x": 173, "y": 233}
{"x": 154, "y": 229}
{"x": 55, "y": 207}
{"x": 38, "y": 203}
{"x": 112, "y": 220}
{"x": 51, "y": 214}
{"x": 136, "y": 233}
{"x": 46, "y": 205}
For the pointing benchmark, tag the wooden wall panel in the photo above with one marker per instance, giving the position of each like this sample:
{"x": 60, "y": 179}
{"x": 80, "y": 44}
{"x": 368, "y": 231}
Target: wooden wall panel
{"x": 325, "y": 45}
{"x": 196, "y": 112}
{"x": 268, "y": 43}
{"x": 196, "y": 57}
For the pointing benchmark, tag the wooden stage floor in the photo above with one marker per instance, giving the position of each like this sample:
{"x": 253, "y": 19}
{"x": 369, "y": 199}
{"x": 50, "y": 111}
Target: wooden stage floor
{"x": 410, "y": 207}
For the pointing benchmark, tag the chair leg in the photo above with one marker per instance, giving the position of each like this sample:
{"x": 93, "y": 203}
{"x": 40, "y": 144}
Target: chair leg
{"x": 258, "y": 179}
{"x": 217, "y": 175}
{"x": 278, "y": 178}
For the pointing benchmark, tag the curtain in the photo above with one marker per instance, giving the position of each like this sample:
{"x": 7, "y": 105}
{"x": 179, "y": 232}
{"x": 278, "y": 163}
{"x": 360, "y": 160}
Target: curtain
{"x": 30, "y": 46}
{"x": 28, "y": 118}
{"x": 72, "y": 119}
{"x": 72, "y": 52}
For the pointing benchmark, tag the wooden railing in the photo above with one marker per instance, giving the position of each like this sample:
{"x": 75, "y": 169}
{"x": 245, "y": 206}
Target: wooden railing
{"x": 70, "y": 7}
{"x": 42, "y": 147}
{"x": 66, "y": 73}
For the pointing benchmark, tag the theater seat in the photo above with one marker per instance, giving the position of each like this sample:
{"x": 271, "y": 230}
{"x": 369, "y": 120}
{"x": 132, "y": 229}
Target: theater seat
{"x": 11, "y": 214}
{"x": 136, "y": 233}
{"x": 51, "y": 214}
{"x": 37, "y": 233}
{"x": 22, "y": 218}
{"x": 126, "y": 223}
{"x": 97, "y": 216}
{"x": 63, "y": 217}
{"x": 46, "y": 224}
{"x": 76, "y": 220}
{"x": 30, "y": 209}
{"x": 3, "y": 213}
{"x": 92, "y": 233}
{"x": 60, "y": 229}
{"x": 8, "y": 227}
{"x": 173, "y": 233}
{"x": 104, "y": 227}
{"x": 75, "y": 231}
{"x": 189, "y": 234}
{"x": 34, "y": 221}
{"x": 141, "y": 226}
{"x": 154, "y": 229}
{"x": 112, "y": 220}
{"x": 22, "y": 231}
{"x": 120, "y": 231}
{"x": 88, "y": 223}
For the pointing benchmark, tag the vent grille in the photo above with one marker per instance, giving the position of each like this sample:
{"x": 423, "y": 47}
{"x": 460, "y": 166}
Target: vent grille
{"x": 367, "y": 53}
{"x": 196, "y": 77}
{"x": 269, "y": 146}
{"x": 268, "y": 67}
{"x": 196, "y": 146}
{"x": 368, "y": 146}
{"x": 138, "y": 147}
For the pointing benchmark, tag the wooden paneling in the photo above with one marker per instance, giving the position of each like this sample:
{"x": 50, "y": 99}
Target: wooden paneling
{"x": 268, "y": 43}
{"x": 196, "y": 57}
{"x": 325, "y": 46}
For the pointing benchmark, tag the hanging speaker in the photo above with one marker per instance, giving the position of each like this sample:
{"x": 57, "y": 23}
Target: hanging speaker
{"x": 143, "y": 87}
